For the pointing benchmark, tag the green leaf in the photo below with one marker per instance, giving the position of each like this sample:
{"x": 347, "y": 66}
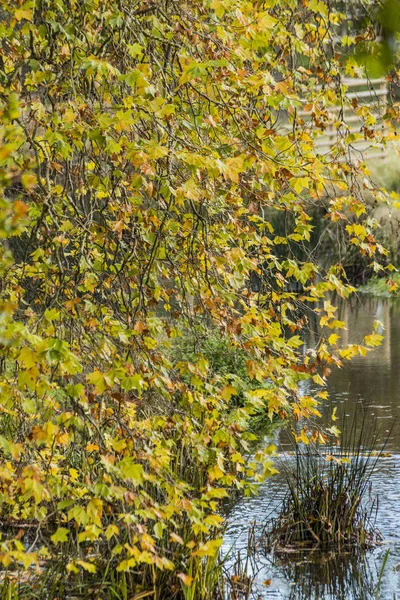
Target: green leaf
{"x": 129, "y": 469}
{"x": 60, "y": 536}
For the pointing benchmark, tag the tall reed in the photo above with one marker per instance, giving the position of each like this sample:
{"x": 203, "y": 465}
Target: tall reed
{"x": 328, "y": 503}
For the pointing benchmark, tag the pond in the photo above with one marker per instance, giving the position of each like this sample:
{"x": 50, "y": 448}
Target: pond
{"x": 371, "y": 383}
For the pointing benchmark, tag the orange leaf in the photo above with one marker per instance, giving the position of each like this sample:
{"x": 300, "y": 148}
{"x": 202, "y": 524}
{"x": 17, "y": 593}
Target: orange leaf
{"x": 187, "y": 580}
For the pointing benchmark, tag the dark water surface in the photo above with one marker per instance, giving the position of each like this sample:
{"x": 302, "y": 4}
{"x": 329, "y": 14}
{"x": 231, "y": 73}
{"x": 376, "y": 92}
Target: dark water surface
{"x": 371, "y": 384}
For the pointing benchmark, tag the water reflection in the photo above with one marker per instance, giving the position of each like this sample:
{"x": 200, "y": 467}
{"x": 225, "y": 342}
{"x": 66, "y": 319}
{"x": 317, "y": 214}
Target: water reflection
{"x": 369, "y": 384}
{"x": 329, "y": 576}
{"x": 366, "y": 383}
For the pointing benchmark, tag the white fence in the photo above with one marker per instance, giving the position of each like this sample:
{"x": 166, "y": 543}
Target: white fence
{"x": 368, "y": 96}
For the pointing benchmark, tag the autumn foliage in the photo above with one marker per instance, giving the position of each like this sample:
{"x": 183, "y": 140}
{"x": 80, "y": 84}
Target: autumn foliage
{"x": 146, "y": 148}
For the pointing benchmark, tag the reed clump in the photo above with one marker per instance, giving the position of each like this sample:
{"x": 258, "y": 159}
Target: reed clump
{"x": 328, "y": 504}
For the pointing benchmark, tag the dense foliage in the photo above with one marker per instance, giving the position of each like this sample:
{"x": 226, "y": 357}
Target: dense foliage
{"x": 146, "y": 149}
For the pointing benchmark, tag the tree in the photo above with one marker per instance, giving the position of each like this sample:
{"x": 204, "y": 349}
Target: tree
{"x": 144, "y": 149}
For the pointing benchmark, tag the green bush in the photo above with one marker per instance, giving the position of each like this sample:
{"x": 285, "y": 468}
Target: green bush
{"x": 225, "y": 362}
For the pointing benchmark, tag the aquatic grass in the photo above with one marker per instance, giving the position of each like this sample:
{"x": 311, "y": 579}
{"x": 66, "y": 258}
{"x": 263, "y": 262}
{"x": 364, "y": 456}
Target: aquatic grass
{"x": 381, "y": 572}
{"x": 239, "y": 577}
{"x": 8, "y": 590}
{"x": 329, "y": 504}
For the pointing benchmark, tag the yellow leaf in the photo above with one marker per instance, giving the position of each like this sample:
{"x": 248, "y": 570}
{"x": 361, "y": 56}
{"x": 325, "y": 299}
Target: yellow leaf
{"x": 27, "y": 357}
{"x": 227, "y": 392}
{"x": 318, "y": 379}
{"x": 374, "y": 339}
{"x": 29, "y": 180}
{"x": 209, "y": 548}
{"x": 111, "y": 530}
{"x": 302, "y": 437}
{"x": 71, "y": 568}
{"x": 213, "y": 520}
{"x": 23, "y": 14}
{"x": 87, "y": 566}
{"x": 333, "y": 338}
{"x": 92, "y": 447}
{"x": 74, "y": 474}
{"x": 215, "y": 473}
{"x": 187, "y": 579}
{"x": 69, "y": 116}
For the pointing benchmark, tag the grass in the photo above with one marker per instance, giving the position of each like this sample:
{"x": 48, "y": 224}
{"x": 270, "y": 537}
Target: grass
{"x": 385, "y": 172}
{"x": 211, "y": 580}
{"x": 53, "y": 583}
{"x": 327, "y": 505}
